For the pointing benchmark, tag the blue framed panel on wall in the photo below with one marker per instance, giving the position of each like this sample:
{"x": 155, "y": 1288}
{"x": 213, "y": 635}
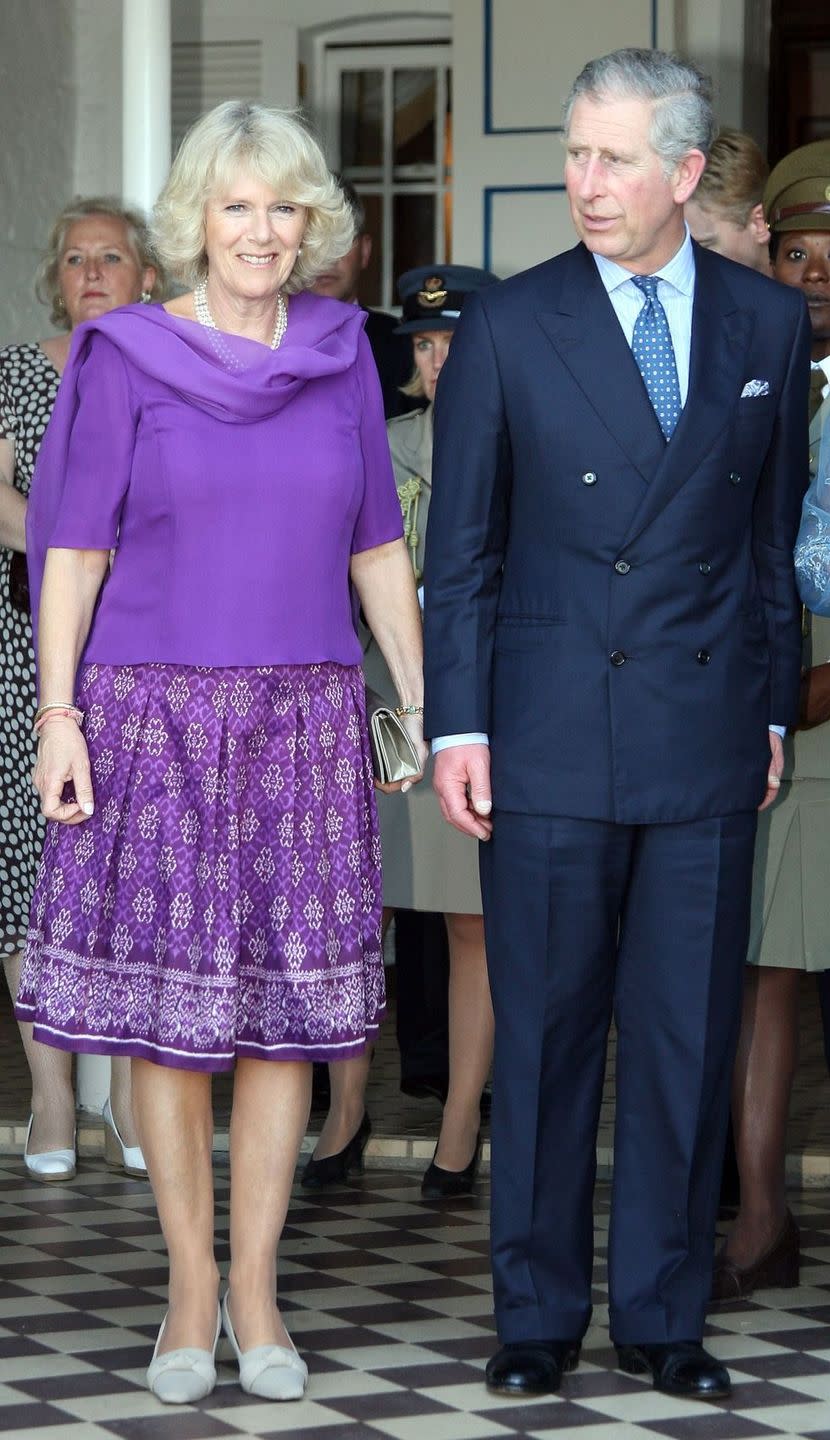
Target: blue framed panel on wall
{"x": 489, "y": 18}
{"x": 489, "y": 193}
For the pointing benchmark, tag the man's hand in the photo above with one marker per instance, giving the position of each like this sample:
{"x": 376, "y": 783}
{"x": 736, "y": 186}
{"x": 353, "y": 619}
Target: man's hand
{"x": 461, "y": 781}
{"x": 776, "y": 766}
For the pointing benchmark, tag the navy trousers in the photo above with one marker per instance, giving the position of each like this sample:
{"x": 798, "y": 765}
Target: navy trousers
{"x": 585, "y": 919}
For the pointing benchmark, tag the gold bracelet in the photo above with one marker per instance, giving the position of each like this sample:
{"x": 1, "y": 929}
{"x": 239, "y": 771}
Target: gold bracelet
{"x": 409, "y": 710}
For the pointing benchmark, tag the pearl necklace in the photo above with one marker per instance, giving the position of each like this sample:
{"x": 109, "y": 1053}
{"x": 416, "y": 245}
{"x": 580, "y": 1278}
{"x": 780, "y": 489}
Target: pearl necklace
{"x": 203, "y": 315}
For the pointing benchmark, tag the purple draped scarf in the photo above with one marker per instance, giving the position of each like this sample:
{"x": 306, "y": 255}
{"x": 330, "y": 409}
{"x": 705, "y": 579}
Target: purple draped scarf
{"x": 233, "y": 378}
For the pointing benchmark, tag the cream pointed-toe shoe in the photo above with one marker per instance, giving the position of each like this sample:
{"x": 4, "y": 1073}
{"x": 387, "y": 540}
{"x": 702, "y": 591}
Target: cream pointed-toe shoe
{"x": 273, "y": 1372}
{"x": 51, "y": 1166}
{"x": 118, "y": 1155}
{"x": 179, "y": 1377}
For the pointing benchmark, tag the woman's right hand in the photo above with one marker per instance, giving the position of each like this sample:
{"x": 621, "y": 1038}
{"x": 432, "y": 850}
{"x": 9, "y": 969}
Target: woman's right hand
{"x": 62, "y": 759}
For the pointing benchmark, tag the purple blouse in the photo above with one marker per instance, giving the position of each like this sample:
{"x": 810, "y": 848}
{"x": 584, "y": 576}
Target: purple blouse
{"x": 233, "y": 481}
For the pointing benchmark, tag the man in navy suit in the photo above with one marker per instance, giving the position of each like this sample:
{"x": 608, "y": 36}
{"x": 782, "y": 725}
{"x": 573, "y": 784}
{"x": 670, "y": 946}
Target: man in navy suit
{"x": 613, "y": 652}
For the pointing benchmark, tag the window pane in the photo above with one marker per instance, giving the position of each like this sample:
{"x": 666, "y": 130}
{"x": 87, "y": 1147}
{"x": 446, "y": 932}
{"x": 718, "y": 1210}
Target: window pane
{"x": 361, "y": 118}
{"x": 413, "y": 225}
{"x": 414, "y": 128}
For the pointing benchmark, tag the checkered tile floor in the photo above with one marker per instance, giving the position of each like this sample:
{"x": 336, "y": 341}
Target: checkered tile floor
{"x": 387, "y": 1297}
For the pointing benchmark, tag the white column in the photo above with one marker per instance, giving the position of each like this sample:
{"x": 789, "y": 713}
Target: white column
{"x": 145, "y": 163}
{"x": 146, "y": 99}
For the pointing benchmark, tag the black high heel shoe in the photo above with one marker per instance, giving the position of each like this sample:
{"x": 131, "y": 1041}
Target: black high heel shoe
{"x": 439, "y": 1184}
{"x": 334, "y": 1169}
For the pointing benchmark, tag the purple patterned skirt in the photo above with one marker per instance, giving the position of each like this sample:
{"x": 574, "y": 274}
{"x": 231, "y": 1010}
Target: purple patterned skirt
{"x": 224, "y": 899}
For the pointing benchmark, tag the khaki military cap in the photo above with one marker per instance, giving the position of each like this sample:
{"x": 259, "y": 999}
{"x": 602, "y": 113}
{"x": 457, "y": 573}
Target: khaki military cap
{"x": 797, "y": 193}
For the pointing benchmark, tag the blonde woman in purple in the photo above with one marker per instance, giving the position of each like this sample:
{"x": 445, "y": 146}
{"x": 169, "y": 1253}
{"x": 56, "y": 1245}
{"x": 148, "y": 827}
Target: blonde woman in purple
{"x": 210, "y": 893}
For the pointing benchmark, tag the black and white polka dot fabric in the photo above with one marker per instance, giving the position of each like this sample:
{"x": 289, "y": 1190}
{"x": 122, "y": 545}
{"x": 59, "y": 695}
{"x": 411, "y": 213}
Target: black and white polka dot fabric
{"x": 28, "y": 386}
{"x": 652, "y": 348}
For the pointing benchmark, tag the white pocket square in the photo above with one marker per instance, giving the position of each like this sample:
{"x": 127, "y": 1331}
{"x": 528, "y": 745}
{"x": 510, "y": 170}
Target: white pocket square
{"x": 753, "y": 388}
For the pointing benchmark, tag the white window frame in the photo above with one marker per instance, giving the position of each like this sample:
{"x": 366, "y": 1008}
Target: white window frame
{"x": 419, "y": 42}
{"x": 388, "y": 180}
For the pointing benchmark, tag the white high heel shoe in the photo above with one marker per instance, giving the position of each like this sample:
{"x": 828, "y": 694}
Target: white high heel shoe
{"x": 51, "y": 1166}
{"x": 118, "y": 1155}
{"x": 180, "y": 1377}
{"x": 273, "y": 1372}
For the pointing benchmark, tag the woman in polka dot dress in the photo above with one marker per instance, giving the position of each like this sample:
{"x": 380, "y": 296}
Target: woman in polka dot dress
{"x": 98, "y": 258}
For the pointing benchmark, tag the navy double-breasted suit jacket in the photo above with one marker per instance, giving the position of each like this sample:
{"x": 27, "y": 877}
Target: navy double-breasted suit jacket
{"x": 617, "y": 613}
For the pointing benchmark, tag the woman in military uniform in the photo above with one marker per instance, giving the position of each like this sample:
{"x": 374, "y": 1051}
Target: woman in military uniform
{"x": 427, "y": 865}
{"x": 790, "y": 931}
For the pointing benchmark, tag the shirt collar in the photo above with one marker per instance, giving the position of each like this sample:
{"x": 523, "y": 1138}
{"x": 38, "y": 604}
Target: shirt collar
{"x": 679, "y": 272}
{"x": 823, "y": 365}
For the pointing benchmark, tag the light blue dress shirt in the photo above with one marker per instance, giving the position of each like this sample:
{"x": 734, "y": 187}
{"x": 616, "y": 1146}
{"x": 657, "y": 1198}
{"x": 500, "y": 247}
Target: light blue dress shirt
{"x": 676, "y": 293}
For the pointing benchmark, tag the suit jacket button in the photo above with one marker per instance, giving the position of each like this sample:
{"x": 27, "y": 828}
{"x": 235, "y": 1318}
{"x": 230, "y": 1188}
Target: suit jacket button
{"x": 734, "y": 478}
{"x": 622, "y": 567}
{"x": 617, "y": 657}
{"x": 703, "y": 657}
{"x": 589, "y": 478}
{"x": 704, "y": 567}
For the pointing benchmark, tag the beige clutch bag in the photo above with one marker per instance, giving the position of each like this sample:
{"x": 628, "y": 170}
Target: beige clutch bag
{"x": 394, "y": 756}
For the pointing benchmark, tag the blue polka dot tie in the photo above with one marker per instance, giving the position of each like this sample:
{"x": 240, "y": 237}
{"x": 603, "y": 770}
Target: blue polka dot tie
{"x": 652, "y": 349}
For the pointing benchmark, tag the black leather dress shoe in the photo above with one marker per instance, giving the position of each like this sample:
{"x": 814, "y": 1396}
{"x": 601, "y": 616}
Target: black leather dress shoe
{"x": 531, "y": 1367}
{"x": 682, "y": 1367}
{"x": 334, "y": 1169}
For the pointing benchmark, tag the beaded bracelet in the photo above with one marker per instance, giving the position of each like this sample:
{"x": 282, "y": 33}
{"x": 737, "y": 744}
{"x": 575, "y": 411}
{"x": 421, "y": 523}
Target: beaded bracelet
{"x": 57, "y": 710}
{"x": 409, "y": 710}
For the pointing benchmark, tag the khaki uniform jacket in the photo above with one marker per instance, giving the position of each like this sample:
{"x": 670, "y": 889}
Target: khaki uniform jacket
{"x": 426, "y": 864}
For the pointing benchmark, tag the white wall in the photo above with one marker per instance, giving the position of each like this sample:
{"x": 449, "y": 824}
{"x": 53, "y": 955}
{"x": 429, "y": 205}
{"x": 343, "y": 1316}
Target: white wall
{"x": 98, "y": 117}
{"x": 730, "y": 40}
{"x": 36, "y": 156}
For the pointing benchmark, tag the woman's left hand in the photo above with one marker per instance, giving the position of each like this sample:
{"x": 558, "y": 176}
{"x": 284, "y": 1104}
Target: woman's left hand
{"x": 414, "y": 726}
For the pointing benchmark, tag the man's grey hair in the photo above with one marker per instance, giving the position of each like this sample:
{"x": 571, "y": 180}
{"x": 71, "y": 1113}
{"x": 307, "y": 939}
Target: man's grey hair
{"x": 683, "y": 117}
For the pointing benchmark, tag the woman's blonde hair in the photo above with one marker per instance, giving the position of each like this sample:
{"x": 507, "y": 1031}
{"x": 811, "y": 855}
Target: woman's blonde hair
{"x": 276, "y": 147}
{"x": 734, "y": 179}
{"x": 47, "y": 282}
{"x": 414, "y": 386}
